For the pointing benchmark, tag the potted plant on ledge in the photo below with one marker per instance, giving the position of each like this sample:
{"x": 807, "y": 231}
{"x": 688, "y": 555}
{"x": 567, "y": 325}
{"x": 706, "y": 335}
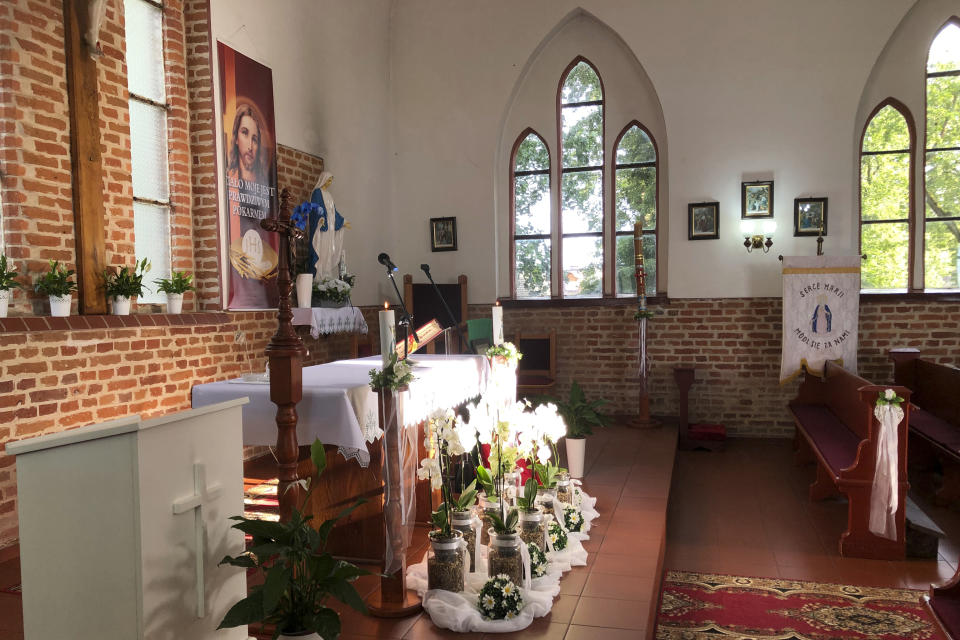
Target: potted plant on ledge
{"x": 7, "y": 284}
{"x": 56, "y": 284}
{"x": 299, "y": 574}
{"x": 581, "y": 416}
{"x": 124, "y": 284}
{"x": 179, "y": 283}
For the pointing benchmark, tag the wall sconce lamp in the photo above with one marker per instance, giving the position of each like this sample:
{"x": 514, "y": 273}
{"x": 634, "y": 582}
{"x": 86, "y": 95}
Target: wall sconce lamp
{"x": 754, "y": 231}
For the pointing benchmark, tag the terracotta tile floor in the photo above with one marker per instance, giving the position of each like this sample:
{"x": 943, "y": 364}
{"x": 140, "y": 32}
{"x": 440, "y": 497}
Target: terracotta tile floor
{"x": 745, "y": 512}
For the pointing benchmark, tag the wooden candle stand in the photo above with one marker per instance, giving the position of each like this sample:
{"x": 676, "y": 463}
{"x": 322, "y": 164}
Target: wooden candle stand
{"x": 392, "y": 599}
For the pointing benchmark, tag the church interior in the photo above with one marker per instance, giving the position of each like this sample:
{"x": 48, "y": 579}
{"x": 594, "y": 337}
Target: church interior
{"x": 369, "y": 262}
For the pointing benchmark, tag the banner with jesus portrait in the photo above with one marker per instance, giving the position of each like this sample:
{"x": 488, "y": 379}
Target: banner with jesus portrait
{"x": 821, "y": 311}
{"x": 250, "y": 180}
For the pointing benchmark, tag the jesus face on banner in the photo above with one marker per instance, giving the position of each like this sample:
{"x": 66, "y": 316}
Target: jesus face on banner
{"x": 250, "y": 179}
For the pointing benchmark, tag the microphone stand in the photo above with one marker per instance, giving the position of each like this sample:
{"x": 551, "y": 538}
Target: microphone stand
{"x": 461, "y": 341}
{"x": 406, "y": 320}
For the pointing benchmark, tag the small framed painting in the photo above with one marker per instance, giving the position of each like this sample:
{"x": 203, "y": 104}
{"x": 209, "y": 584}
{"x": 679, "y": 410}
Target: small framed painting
{"x": 443, "y": 234}
{"x": 809, "y": 216}
{"x": 756, "y": 199}
{"x": 703, "y": 221}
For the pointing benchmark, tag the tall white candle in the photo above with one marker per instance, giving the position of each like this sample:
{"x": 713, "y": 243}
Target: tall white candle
{"x": 388, "y": 333}
{"x": 497, "y": 324}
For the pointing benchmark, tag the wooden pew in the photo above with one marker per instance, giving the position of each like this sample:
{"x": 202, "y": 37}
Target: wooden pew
{"x": 935, "y": 418}
{"x": 836, "y": 427}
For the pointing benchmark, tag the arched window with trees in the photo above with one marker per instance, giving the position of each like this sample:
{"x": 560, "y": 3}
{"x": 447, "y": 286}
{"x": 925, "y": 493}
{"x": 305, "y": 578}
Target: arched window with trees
{"x": 530, "y": 192}
{"x": 886, "y": 198}
{"x": 635, "y": 200}
{"x": 580, "y": 123}
{"x": 941, "y": 239}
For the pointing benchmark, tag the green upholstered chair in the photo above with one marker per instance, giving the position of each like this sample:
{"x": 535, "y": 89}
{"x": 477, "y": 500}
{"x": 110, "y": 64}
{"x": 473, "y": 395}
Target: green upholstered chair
{"x": 479, "y": 333}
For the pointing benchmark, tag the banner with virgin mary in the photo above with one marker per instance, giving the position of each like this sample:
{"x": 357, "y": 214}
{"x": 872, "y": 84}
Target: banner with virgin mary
{"x": 821, "y": 312}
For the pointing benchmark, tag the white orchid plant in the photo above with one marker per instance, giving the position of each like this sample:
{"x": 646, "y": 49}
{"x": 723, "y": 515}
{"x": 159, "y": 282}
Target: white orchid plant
{"x": 447, "y": 437}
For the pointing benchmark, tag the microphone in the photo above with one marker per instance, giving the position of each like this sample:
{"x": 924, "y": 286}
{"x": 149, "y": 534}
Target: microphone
{"x": 384, "y": 259}
{"x": 426, "y": 269}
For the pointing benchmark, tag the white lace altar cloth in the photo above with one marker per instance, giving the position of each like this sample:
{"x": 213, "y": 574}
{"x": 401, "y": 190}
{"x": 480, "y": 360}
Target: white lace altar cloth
{"x": 459, "y": 612}
{"x": 338, "y": 406}
{"x": 323, "y": 320}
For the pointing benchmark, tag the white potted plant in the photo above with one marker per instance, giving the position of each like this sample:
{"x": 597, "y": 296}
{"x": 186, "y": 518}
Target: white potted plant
{"x": 7, "y": 284}
{"x": 56, "y": 284}
{"x": 179, "y": 283}
{"x": 123, "y": 284}
{"x": 581, "y": 416}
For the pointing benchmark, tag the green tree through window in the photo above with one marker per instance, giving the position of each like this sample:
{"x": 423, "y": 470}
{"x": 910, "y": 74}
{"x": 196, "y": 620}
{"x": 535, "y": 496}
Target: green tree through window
{"x": 531, "y": 218}
{"x": 941, "y": 259}
{"x": 885, "y": 201}
{"x": 581, "y": 183}
{"x": 635, "y": 200}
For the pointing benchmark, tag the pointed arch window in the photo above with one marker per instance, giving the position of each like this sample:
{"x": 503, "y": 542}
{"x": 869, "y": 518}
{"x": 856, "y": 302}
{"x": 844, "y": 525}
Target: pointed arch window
{"x": 635, "y": 200}
{"x": 530, "y": 193}
{"x": 941, "y": 228}
{"x": 886, "y": 199}
{"x": 581, "y": 181}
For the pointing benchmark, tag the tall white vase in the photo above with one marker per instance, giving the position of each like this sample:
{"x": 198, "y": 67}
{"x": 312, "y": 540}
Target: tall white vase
{"x": 304, "y": 290}
{"x": 576, "y": 448}
{"x": 4, "y": 302}
{"x": 60, "y": 306}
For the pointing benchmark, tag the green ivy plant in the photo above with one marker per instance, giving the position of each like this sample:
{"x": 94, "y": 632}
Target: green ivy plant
{"x": 395, "y": 375}
{"x": 178, "y": 282}
{"x": 56, "y": 281}
{"x": 7, "y": 276}
{"x": 299, "y": 574}
{"x": 126, "y": 281}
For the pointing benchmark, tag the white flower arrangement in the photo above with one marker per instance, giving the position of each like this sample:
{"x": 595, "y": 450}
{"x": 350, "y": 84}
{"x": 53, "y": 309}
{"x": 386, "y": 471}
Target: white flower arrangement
{"x": 558, "y": 537}
{"x": 500, "y": 599}
{"x": 572, "y": 519}
{"x": 335, "y": 289}
{"x": 538, "y": 561}
{"x": 889, "y": 396}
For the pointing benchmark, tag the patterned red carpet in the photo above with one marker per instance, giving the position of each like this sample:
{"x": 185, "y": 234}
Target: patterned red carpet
{"x": 701, "y": 606}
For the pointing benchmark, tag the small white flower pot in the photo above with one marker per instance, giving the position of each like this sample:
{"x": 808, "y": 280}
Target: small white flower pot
{"x": 304, "y": 290}
{"x": 60, "y": 306}
{"x": 576, "y": 448}
{"x": 121, "y": 305}
{"x": 4, "y": 302}
{"x": 174, "y": 302}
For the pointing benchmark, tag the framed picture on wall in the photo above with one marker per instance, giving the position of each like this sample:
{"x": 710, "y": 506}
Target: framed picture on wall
{"x": 703, "y": 221}
{"x": 443, "y": 234}
{"x": 756, "y": 199}
{"x": 809, "y": 216}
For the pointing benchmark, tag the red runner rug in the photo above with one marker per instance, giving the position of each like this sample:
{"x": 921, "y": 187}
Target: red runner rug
{"x": 701, "y": 606}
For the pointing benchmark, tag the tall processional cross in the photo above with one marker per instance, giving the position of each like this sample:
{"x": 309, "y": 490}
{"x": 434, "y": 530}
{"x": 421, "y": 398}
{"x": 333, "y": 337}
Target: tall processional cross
{"x": 201, "y": 494}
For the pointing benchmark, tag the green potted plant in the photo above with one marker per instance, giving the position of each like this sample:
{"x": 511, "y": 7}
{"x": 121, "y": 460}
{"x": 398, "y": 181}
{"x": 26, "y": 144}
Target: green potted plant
{"x": 581, "y": 416}
{"x": 123, "y": 284}
{"x": 7, "y": 283}
{"x": 56, "y": 284}
{"x": 175, "y": 286}
{"x": 300, "y": 576}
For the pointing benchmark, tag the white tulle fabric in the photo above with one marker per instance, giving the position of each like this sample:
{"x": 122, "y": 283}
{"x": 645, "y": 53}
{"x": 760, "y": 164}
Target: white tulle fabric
{"x": 458, "y": 611}
{"x": 884, "y": 496}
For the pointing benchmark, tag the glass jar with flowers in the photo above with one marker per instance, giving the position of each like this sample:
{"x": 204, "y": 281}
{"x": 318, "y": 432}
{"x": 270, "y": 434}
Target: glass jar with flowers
{"x": 464, "y": 521}
{"x": 505, "y": 556}
{"x": 532, "y": 529}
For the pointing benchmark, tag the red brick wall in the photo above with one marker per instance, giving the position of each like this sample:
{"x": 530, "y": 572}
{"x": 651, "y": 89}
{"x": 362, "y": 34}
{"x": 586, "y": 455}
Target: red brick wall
{"x": 734, "y": 345}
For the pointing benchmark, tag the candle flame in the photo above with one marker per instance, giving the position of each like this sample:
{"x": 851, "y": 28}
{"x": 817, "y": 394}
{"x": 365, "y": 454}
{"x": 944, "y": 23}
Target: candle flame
{"x": 386, "y": 305}
{"x": 497, "y": 303}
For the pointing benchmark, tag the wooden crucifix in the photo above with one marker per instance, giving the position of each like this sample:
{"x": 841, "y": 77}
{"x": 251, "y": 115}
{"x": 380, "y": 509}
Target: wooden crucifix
{"x": 285, "y": 353}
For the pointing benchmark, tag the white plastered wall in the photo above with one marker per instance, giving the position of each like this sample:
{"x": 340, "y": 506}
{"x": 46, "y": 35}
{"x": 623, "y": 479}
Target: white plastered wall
{"x": 750, "y": 89}
{"x": 900, "y": 72}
